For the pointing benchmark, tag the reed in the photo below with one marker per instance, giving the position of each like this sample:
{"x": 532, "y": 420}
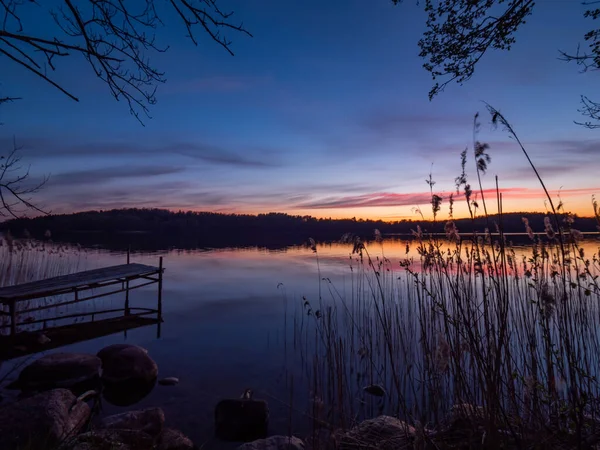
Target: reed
{"x": 470, "y": 320}
{"x": 24, "y": 260}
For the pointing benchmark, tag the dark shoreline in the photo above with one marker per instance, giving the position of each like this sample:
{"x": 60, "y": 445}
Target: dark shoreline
{"x": 155, "y": 229}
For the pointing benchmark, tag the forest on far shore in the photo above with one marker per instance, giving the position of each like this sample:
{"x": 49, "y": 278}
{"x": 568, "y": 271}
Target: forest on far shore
{"x": 160, "y": 228}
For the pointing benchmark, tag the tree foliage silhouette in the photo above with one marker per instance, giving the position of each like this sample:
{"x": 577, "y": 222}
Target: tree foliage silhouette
{"x": 460, "y": 32}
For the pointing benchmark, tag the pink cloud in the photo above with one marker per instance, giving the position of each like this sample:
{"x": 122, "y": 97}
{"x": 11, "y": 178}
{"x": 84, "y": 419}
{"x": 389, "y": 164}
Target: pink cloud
{"x": 419, "y": 198}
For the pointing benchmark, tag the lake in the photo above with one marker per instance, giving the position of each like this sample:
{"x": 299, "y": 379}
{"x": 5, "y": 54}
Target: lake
{"x": 227, "y": 318}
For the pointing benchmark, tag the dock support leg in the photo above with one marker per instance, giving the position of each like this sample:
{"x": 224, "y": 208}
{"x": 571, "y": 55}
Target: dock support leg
{"x": 13, "y": 318}
{"x": 127, "y": 310}
{"x": 160, "y": 278}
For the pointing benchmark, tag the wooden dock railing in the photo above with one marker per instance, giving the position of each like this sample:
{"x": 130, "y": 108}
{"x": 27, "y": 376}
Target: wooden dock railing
{"x": 81, "y": 283}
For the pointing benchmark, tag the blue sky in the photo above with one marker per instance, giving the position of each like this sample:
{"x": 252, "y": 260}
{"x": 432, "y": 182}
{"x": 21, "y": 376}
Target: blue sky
{"x": 323, "y": 112}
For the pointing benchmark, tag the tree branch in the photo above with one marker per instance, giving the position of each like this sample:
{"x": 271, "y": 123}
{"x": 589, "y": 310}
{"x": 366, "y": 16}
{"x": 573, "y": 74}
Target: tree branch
{"x": 14, "y": 189}
{"x": 114, "y": 36}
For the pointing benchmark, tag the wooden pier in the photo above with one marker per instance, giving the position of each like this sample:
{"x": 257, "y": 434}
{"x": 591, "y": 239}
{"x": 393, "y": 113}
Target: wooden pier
{"x": 121, "y": 278}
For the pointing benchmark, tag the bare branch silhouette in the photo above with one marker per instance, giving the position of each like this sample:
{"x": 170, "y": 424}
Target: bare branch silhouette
{"x": 16, "y": 187}
{"x": 114, "y": 36}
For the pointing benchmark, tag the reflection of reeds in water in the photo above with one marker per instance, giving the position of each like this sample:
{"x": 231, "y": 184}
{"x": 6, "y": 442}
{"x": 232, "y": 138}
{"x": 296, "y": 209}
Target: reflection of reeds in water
{"x": 26, "y": 260}
{"x": 466, "y": 321}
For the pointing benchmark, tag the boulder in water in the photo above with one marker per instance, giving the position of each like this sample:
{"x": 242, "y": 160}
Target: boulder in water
{"x": 243, "y": 419}
{"x": 122, "y": 363}
{"x": 128, "y": 373}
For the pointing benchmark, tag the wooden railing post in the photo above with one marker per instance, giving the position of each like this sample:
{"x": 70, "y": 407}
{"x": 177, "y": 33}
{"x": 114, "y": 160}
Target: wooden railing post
{"x": 127, "y": 310}
{"x": 160, "y": 279}
{"x": 13, "y": 318}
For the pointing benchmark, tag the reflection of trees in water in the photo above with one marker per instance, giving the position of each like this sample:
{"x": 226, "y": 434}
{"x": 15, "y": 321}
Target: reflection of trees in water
{"x": 154, "y": 229}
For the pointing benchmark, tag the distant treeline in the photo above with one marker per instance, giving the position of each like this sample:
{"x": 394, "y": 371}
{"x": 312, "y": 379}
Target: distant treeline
{"x": 147, "y": 229}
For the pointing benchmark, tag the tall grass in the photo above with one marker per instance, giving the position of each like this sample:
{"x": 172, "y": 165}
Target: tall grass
{"x": 470, "y": 321}
{"x": 25, "y": 260}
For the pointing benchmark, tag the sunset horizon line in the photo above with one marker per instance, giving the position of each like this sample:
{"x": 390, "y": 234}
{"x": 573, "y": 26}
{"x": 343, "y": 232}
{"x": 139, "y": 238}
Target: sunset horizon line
{"x": 400, "y": 218}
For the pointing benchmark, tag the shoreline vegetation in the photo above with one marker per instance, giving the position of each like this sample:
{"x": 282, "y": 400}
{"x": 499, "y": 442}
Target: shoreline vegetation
{"x": 157, "y": 229}
{"x": 468, "y": 345}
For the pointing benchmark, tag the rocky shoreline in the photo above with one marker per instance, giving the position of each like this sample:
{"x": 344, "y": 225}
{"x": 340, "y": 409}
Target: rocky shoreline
{"x": 60, "y": 392}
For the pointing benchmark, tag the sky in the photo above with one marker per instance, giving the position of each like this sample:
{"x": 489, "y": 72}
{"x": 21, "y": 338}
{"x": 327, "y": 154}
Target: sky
{"x": 323, "y": 112}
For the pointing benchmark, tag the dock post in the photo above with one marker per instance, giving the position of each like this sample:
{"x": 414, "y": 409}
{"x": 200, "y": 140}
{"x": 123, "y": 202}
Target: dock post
{"x": 160, "y": 277}
{"x": 13, "y": 318}
{"x": 127, "y": 310}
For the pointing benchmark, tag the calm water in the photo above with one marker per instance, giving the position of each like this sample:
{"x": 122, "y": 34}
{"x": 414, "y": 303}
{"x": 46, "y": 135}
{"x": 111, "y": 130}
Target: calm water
{"x": 223, "y": 327}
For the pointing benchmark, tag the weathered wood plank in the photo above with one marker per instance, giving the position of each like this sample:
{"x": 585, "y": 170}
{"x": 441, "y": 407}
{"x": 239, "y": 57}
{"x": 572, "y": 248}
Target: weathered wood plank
{"x": 80, "y": 280}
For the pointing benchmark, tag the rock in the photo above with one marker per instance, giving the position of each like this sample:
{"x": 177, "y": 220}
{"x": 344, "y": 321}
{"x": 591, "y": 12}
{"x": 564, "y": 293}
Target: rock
{"x": 381, "y": 433}
{"x": 112, "y": 350}
{"x": 274, "y": 443}
{"x": 467, "y": 411}
{"x": 243, "y": 419}
{"x": 121, "y": 363}
{"x": 42, "y": 421}
{"x": 465, "y": 416}
{"x": 323, "y": 439}
{"x": 75, "y": 371}
{"x": 110, "y": 440}
{"x": 168, "y": 381}
{"x": 42, "y": 339}
{"x": 150, "y": 420}
{"x": 174, "y": 440}
{"x": 375, "y": 389}
{"x": 128, "y": 373}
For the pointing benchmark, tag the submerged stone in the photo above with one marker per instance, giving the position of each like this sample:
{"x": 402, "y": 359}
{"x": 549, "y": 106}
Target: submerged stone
{"x": 168, "y": 381}
{"x": 242, "y": 419}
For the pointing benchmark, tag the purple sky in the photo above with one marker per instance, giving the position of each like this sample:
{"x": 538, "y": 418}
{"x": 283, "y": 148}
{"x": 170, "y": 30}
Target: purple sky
{"x": 323, "y": 112}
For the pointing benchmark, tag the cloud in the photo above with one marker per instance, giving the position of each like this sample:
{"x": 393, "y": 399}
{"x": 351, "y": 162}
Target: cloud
{"x": 106, "y": 174}
{"x": 218, "y": 155}
{"x": 200, "y": 151}
{"x": 573, "y": 147}
{"x": 419, "y": 198}
{"x": 368, "y": 200}
{"x": 414, "y": 125}
{"x": 172, "y": 194}
{"x": 216, "y": 83}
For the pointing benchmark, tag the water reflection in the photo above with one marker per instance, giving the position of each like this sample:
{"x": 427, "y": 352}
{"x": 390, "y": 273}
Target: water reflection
{"x": 127, "y": 393}
{"x": 225, "y": 324}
